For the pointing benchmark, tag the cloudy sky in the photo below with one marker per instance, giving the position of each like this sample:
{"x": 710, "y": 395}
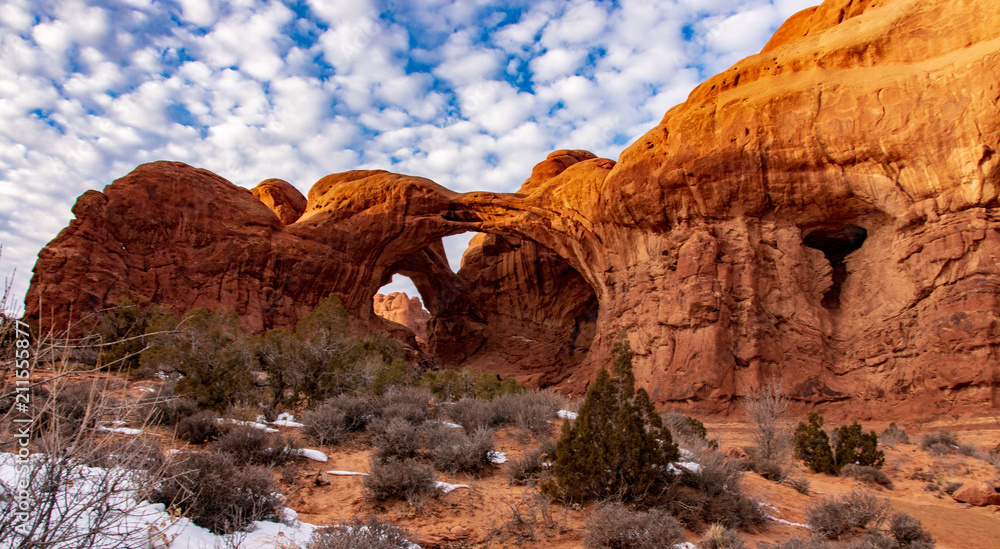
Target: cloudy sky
{"x": 468, "y": 93}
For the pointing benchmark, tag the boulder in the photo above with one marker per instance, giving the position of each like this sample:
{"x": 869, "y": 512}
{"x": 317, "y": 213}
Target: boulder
{"x": 977, "y": 493}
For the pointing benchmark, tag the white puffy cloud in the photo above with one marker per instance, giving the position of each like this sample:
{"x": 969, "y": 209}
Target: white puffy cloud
{"x": 469, "y": 94}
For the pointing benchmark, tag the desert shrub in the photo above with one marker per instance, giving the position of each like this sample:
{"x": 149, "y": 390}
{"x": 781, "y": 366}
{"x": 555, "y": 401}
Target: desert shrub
{"x": 142, "y": 453}
{"x": 217, "y": 494}
{"x": 331, "y": 421}
{"x": 370, "y": 532}
{"x": 163, "y": 407}
{"x": 943, "y": 442}
{"x": 800, "y": 485}
{"x": 767, "y": 468}
{"x": 521, "y": 519}
{"x": 447, "y": 385}
{"x": 864, "y": 473}
{"x": 718, "y": 536}
{"x": 529, "y": 466}
{"x": 458, "y": 451}
{"x": 249, "y": 445}
{"x": 200, "y": 428}
{"x": 489, "y": 385}
{"x": 530, "y": 411}
{"x": 853, "y": 445}
{"x": 399, "y": 439}
{"x": 686, "y": 428}
{"x": 812, "y": 445}
{"x": 618, "y": 444}
{"x": 713, "y": 494}
{"x": 857, "y": 510}
{"x": 408, "y": 480}
{"x": 766, "y": 411}
{"x": 120, "y": 335}
{"x": 412, "y": 404}
{"x": 473, "y": 413}
{"x": 908, "y": 532}
{"x": 894, "y": 435}
{"x": 214, "y": 358}
{"x": 615, "y": 526}
{"x": 951, "y": 487}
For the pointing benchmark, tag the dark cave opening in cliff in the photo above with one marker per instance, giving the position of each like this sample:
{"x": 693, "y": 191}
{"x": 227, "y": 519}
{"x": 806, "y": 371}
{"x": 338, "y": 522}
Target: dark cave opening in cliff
{"x": 836, "y": 244}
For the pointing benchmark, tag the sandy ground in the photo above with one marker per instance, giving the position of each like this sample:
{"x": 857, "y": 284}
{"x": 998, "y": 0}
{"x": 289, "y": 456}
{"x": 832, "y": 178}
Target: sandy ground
{"x": 491, "y": 513}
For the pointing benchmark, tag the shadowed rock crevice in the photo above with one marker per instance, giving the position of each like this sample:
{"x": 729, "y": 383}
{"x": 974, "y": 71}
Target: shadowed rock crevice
{"x": 836, "y": 244}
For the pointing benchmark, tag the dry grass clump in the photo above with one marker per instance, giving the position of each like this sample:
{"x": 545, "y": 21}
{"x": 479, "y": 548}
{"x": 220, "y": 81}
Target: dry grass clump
{"x": 718, "y": 536}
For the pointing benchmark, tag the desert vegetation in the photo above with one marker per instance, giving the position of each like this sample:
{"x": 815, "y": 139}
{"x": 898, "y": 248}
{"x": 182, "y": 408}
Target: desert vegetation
{"x": 204, "y": 442}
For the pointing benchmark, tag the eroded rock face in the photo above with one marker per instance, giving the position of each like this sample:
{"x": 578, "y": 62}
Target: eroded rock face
{"x": 826, "y": 212}
{"x": 403, "y": 309}
{"x": 282, "y": 198}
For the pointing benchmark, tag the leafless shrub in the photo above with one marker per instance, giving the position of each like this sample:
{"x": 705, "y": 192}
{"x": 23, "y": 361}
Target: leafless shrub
{"x": 399, "y": 439}
{"x": 370, "y": 532}
{"x": 252, "y": 446}
{"x": 216, "y": 493}
{"x": 530, "y": 411}
{"x": 524, "y": 519}
{"x": 410, "y": 403}
{"x": 942, "y": 442}
{"x": 528, "y": 468}
{"x": 713, "y": 494}
{"x": 857, "y": 510}
{"x": 614, "y": 526}
{"x": 473, "y": 413}
{"x": 407, "y": 480}
{"x": 766, "y": 410}
{"x": 893, "y": 435}
{"x": 325, "y": 425}
{"x": 951, "y": 487}
{"x": 200, "y": 428}
{"x": 464, "y": 452}
{"x": 864, "y": 473}
{"x": 163, "y": 407}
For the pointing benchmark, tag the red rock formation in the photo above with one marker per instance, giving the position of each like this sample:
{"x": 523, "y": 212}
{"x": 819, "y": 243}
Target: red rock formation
{"x": 282, "y": 198}
{"x": 403, "y": 309}
{"x": 827, "y": 211}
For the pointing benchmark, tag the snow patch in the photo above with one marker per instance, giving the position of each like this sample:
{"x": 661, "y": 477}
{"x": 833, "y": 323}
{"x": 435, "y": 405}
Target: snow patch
{"x": 118, "y": 430}
{"x": 497, "y": 457}
{"x": 347, "y": 474}
{"x": 566, "y": 414}
{"x": 307, "y": 453}
{"x": 446, "y": 488}
{"x": 254, "y": 424}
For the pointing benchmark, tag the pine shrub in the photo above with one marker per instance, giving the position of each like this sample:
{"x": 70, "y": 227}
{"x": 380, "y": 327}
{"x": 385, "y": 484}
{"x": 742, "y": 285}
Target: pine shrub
{"x": 854, "y": 446}
{"x": 812, "y": 445}
{"x": 618, "y": 444}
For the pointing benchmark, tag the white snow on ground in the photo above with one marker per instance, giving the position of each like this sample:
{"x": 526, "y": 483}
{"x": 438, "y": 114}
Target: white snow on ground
{"x": 566, "y": 414}
{"x": 686, "y": 454}
{"x": 314, "y": 455}
{"x": 145, "y": 524}
{"x": 497, "y": 457}
{"x": 254, "y": 424}
{"x": 347, "y": 474}
{"x": 450, "y": 425}
{"x": 779, "y": 520}
{"x": 284, "y": 419}
{"x": 689, "y": 465}
{"x": 118, "y": 430}
{"x": 448, "y": 488}
{"x": 685, "y": 545}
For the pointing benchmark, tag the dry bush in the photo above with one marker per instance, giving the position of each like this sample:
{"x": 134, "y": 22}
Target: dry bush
{"x": 893, "y": 435}
{"x": 951, "y": 487}
{"x": 370, "y": 532}
{"x": 201, "y": 428}
{"x": 163, "y": 407}
{"x": 473, "y": 413}
{"x": 530, "y": 411}
{"x": 855, "y": 511}
{"x": 800, "y": 485}
{"x": 325, "y": 425}
{"x": 458, "y": 451}
{"x": 410, "y": 403}
{"x": 399, "y": 439}
{"x": 252, "y": 446}
{"x": 521, "y": 520}
{"x": 528, "y": 468}
{"x": 908, "y": 532}
{"x": 766, "y": 410}
{"x": 940, "y": 443}
{"x": 615, "y": 526}
{"x": 216, "y": 493}
{"x": 713, "y": 495}
{"x": 718, "y": 536}
{"x": 865, "y": 473}
{"x": 408, "y": 480}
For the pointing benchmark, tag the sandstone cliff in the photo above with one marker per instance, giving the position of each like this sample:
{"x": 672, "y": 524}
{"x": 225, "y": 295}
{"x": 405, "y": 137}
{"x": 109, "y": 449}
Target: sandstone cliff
{"x": 403, "y": 309}
{"x": 825, "y": 211}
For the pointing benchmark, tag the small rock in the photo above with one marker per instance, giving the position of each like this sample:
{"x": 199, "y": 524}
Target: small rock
{"x": 458, "y": 533}
{"x": 322, "y": 479}
{"x": 735, "y": 452}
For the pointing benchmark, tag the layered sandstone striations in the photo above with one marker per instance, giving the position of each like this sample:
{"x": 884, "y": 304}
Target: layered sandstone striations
{"x": 826, "y": 212}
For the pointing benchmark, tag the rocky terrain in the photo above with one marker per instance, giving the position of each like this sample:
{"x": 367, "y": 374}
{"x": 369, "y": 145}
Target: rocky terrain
{"x": 403, "y": 309}
{"x": 825, "y": 211}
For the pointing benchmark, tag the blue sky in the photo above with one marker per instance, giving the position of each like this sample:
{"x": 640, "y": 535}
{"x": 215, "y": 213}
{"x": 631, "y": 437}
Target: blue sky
{"x": 470, "y": 94}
